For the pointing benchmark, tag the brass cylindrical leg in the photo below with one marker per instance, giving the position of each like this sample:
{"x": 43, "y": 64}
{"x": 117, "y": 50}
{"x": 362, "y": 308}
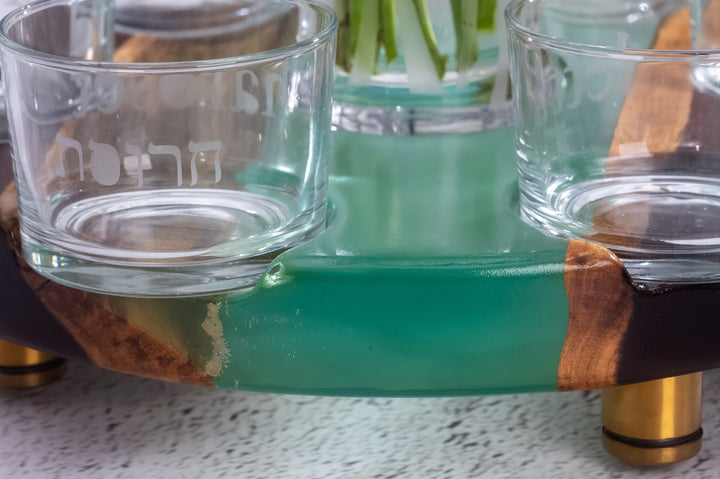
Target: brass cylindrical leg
{"x": 655, "y": 422}
{"x": 22, "y": 367}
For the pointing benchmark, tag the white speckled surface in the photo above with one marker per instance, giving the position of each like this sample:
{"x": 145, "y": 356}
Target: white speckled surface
{"x": 99, "y": 424}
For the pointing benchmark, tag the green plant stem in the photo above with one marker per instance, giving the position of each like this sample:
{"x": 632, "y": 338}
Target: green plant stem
{"x": 465, "y": 22}
{"x": 355, "y": 13}
{"x": 387, "y": 29}
{"x": 439, "y": 60}
{"x": 365, "y": 59}
{"x": 344, "y": 53}
{"x": 486, "y": 15}
{"x": 368, "y": 25}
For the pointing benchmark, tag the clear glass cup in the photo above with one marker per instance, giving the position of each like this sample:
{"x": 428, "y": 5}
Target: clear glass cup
{"x": 420, "y": 66}
{"x": 6, "y": 6}
{"x": 614, "y": 131}
{"x": 170, "y": 161}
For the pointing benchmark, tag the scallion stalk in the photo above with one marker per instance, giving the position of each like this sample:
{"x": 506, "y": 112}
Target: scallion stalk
{"x": 465, "y": 21}
{"x": 439, "y": 60}
{"x": 387, "y": 23}
{"x": 365, "y": 59}
{"x": 366, "y": 26}
{"x": 355, "y": 13}
{"x": 486, "y": 16}
{"x": 345, "y": 51}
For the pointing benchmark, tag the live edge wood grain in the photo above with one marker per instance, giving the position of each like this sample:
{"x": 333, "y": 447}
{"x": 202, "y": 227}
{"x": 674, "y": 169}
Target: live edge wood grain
{"x": 108, "y": 339}
{"x": 600, "y": 308}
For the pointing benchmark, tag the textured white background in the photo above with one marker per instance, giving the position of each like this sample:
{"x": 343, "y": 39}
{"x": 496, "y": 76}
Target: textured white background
{"x": 99, "y": 424}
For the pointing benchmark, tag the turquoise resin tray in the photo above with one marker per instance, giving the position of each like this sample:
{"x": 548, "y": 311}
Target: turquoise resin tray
{"x": 425, "y": 283}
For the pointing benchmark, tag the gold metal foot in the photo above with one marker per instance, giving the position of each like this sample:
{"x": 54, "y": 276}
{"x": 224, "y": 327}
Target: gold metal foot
{"x": 22, "y": 367}
{"x": 655, "y": 422}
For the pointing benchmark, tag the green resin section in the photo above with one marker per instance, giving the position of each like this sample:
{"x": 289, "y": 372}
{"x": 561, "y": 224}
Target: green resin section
{"x": 425, "y": 283}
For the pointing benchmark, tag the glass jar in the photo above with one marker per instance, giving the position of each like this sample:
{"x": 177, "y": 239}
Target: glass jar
{"x": 417, "y": 66}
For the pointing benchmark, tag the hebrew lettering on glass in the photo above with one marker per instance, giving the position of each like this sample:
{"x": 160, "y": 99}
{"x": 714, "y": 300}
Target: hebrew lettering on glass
{"x": 170, "y": 150}
{"x": 196, "y": 148}
{"x": 136, "y": 154}
{"x": 66, "y": 143}
{"x": 245, "y": 101}
{"x": 104, "y": 163}
{"x": 272, "y": 80}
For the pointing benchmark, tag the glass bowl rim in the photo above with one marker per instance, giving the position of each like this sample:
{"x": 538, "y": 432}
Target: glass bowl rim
{"x": 313, "y": 42}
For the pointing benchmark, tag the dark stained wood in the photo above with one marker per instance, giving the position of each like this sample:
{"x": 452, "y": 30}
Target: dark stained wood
{"x": 618, "y": 333}
{"x": 23, "y": 318}
{"x": 671, "y": 333}
{"x": 676, "y": 330}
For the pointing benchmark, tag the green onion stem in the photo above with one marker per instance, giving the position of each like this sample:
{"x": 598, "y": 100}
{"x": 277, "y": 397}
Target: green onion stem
{"x": 387, "y": 26}
{"x": 368, "y": 25}
{"x": 365, "y": 59}
{"x": 465, "y": 22}
{"x": 439, "y": 61}
{"x": 486, "y": 15}
{"x": 355, "y": 11}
